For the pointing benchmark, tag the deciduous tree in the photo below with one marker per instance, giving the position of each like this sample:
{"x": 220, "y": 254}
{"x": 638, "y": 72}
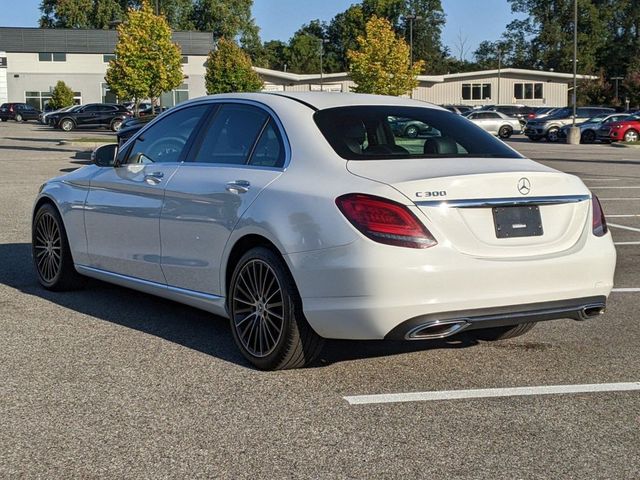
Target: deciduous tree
{"x": 147, "y": 62}
{"x": 229, "y": 69}
{"x": 61, "y": 96}
{"x": 380, "y": 63}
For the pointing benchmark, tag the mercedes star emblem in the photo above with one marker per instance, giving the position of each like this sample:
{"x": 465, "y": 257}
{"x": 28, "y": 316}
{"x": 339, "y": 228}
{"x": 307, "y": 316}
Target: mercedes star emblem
{"x": 524, "y": 186}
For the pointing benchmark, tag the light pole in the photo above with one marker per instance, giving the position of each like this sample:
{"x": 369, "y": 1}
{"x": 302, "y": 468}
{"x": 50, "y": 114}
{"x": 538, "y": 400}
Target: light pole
{"x": 499, "y": 71}
{"x": 574, "y": 132}
{"x": 616, "y": 79}
{"x": 322, "y": 42}
{"x": 411, "y": 17}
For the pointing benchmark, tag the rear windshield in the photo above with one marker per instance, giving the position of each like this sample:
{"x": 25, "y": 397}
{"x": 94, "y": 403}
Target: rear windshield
{"x": 388, "y": 132}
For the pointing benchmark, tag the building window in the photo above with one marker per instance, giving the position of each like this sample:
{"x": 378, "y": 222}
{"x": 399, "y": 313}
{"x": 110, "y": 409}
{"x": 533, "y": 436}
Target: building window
{"x": 173, "y": 98}
{"x": 476, "y": 91}
{"x": 52, "y": 57}
{"x": 108, "y": 57}
{"x": 528, "y": 91}
{"x": 107, "y": 95}
{"x": 40, "y": 100}
{"x": 184, "y": 60}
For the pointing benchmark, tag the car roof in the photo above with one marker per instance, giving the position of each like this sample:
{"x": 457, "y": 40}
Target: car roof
{"x": 324, "y": 100}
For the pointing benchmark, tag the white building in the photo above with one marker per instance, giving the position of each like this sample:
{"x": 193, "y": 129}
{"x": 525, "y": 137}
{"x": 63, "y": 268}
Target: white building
{"x": 32, "y": 60}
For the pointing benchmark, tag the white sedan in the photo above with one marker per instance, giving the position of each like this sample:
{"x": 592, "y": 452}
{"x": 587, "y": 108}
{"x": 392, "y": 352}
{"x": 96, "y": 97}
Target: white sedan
{"x": 303, "y": 216}
{"x": 495, "y": 123}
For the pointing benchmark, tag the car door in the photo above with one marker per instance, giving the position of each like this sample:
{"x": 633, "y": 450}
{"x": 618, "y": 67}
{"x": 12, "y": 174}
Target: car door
{"x": 87, "y": 116}
{"x": 122, "y": 214}
{"x": 240, "y": 151}
{"x": 105, "y": 115}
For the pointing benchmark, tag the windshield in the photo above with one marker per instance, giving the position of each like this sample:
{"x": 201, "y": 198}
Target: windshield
{"x": 597, "y": 119}
{"x": 389, "y": 132}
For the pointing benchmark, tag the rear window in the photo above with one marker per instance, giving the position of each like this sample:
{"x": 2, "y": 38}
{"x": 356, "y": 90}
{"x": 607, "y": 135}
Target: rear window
{"x": 388, "y": 132}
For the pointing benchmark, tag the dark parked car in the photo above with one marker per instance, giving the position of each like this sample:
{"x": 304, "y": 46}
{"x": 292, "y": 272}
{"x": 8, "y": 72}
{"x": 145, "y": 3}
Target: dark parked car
{"x": 459, "y": 109}
{"x": 92, "y": 115}
{"x": 132, "y": 125}
{"x": 19, "y": 112}
{"x": 406, "y": 127}
{"x": 549, "y": 127}
{"x": 521, "y": 112}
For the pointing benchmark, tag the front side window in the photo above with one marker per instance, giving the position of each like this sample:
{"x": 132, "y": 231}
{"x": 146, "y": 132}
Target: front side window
{"x": 232, "y": 134}
{"x": 165, "y": 140}
{"x": 390, "y": 132}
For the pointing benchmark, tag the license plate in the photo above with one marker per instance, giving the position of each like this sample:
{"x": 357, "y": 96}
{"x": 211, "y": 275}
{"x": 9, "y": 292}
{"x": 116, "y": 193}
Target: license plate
{"x": 513, "y": 222}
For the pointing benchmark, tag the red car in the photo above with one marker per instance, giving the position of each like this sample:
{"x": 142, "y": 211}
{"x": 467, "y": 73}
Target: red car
{"x": 627, "y": 130}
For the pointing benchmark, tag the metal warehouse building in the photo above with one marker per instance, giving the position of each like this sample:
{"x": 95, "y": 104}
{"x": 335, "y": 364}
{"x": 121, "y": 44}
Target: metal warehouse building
{"x": 32, "y": 60}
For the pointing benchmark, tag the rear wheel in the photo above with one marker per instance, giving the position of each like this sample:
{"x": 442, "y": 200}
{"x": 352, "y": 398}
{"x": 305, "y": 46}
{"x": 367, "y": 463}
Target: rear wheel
{"x": 588, "y": 136}
{"x": 267, "y": 321}
{"x": 411, "y": 131}
{"x": 18, "y": 117}
{"x": 67, "y": 125}
{"x": 51, "y": 252}
{"x": 502, "y": 333}
{"x": 631, "y": 136}
{"x": 505, "y": 131}
{"x": 552, "y": 134}
{"x": 116, "y": 125}
{"x": 5, "y": 119}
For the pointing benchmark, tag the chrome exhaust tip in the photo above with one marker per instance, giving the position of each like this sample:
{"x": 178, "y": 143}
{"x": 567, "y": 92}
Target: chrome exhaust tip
{"x": 591, "y": 311}
{"x": 437, "y": 329}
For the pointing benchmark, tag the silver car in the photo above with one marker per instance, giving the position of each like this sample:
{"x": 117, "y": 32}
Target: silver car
{"x": 589, "y": 129}
{"x": 496, "y": 123}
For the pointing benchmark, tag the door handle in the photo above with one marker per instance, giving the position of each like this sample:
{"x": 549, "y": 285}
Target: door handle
{"x": 154, "y": 177}
{"x": 238, "y": 186}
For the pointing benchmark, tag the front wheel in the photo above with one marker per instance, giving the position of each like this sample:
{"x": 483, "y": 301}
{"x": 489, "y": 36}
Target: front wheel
{"x": 267, "y": 321}
{"x": 588, "y": 136}
{"x": 631, "y": 136}
{"x": 552, "y": 135}
{"x": 411, "y": 131}
{"x": 18, "y": 117}
{"x": 51, "y": 252}
{"x": 502, "y": 333}
{"x": 505, "y": 132}
{"x": 67, "y": 125}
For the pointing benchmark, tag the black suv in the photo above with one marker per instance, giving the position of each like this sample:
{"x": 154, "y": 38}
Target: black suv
{"x": 549, "y": 127}
{"x": 92, "y": 115}
{"x": 19, "y": 112}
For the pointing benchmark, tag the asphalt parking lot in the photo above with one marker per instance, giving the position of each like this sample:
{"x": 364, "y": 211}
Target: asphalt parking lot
{"x": 108, "y": 382}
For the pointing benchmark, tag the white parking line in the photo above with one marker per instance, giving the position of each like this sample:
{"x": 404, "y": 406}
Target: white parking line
{"x": 621, "y": 198}
{"x": 614, "y": 188}
{"x": 600, "y": 179}
{"x": 626, "y": 243}
{"x": 626, "y": 290}
{"x": 622, "y": 216}
{"x": 624, "y": 227}
{"x": 491, "y": 393}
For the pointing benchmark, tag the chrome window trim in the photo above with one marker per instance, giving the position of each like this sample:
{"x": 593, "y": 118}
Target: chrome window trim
{"x": 504, "y": 202}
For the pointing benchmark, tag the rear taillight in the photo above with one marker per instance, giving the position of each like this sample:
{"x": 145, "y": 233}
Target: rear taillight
{"x": 599, "y": 222}
{"x": 385, "y": 221}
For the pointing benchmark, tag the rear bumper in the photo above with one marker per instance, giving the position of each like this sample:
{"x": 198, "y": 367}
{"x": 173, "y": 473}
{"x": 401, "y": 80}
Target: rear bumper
{"x": 365, "y": 290}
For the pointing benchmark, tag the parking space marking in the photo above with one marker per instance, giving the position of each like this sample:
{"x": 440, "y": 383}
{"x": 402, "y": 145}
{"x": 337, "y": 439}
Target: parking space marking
{"x": 626, "y": 290}
{"x": 623, "y": 216}
{"x": 626, "y": 243}
{"x": 615, "y": 188}
{"x": 491, "y": 393}
{"x": 624, "y": 227}
{"x": 621, "y": 198}
{"x": 600, "y": 179}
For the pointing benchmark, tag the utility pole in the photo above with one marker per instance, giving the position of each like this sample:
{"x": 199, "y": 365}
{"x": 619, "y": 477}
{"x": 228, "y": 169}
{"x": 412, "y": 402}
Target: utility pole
{"x": 616, "y": 79}
{"x": 573, "y": 137}
{"x": 411, "y": 17}
{"x": 157, "y": 7}
{"x": 322, "y": 42}
{"x": 499, "y": 71}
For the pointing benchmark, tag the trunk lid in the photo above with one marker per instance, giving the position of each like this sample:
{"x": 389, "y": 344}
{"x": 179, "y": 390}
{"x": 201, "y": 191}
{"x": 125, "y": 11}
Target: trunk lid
{"x": 459, "y": 197}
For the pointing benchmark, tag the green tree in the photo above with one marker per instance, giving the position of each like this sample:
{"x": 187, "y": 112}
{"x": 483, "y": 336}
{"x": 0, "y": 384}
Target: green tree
{"x": 343, "y": 32}
{"x": 147, "y": 62}
{"x": 275, "y": 55}
{"x": 61, "y": 96}
{"x": 380, "y": 64}
{"x": 631, "y": 85}
{"x": 427, "y": 32}
{"x": 229, "y": 70}
{"x": 225, "y": 18}
{"x": 595, "y": 92}
{"x": 66, "y": 13}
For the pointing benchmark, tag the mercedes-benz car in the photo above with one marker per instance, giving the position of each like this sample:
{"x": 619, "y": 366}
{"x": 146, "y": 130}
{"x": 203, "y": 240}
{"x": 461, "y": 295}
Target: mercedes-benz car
{"x": 301, "y": 217}
{"x": 589, "y": 128}
{"x": 496, "y": 123}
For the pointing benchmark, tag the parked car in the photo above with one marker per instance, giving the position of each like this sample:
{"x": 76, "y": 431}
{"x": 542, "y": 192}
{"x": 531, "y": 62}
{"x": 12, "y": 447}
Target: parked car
{"x": 410, "y": 128}
{"x": 521, "y": 112}
{"x": 20, "y": 112}
{"x": 496, "y": 123}
{"x": 543, "y": 112}
{"x": 626, "y": 130}
{"x": 92, "y": 115}
{"x": 459, "y": 109}
{"x": 44, "y": 116}
{"x": 549, "y": 127}
{"x": 130, "y": 126}
{"x": 303, "y": 216}
{"x": 589, "y": 128}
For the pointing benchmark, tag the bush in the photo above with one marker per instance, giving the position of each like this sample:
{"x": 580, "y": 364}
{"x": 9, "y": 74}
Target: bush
{"x": 62, "y": 96}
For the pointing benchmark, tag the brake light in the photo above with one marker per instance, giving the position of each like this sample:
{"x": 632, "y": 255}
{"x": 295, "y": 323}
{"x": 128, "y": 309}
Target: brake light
{"x": 385, "y": 221}
{"x": 599, "y": 221}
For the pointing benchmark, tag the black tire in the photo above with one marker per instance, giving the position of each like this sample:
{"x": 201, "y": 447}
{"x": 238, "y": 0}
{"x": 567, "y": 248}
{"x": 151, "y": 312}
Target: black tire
{"x": 291, "y": 342}
{"x": 502, "y": 333}
{"x": 18, "y": 117}
{"x": 505, "y": 131}
{"x": 411, "y": 131}
{"x": 552, "y": 135}
{"x": 588, "y": 136}
{"x": 66, "y": 124}
{"x": 116, "y": 124}
{"x": 631, "y": 135}
{"x": 5, "y": 119}
{"x": 55, "y": 271}
{"x": 535, "y": 139}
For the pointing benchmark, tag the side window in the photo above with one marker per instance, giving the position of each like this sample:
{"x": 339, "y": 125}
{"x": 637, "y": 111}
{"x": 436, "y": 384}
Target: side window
{"x": 91, "y": 109}
{"x": 231, "y": 135}
{"x": 165, "y": 140}
{"x": 106, "y": 108}
{"x": 269, "y": 151}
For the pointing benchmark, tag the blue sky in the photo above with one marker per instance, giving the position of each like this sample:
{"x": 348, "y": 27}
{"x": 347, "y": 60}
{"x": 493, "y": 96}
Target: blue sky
{"x": 279, "y": 19}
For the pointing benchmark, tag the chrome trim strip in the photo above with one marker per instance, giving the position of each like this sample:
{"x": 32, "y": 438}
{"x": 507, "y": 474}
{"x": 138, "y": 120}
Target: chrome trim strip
{"x": 204, "y": 301}
{"x": 504, "y": 202}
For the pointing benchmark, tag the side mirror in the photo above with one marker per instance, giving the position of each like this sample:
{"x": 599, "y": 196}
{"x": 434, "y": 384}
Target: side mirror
{"x": 105, "y": 156}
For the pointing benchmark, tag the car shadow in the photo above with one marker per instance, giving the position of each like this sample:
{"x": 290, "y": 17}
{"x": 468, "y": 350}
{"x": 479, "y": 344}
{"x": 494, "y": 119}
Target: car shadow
{"x": 181, "y": 324}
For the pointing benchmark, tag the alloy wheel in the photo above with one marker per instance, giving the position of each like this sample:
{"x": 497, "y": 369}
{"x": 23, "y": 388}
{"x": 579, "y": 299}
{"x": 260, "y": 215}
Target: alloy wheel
{"x": 67, "y": 125}
{"x": 18, "y": 117}
{"x": 48, "y": 247}
{"x": 631, "y": 136}
{"x": 257, "y": 308}
{"x": 412, "y": 132}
